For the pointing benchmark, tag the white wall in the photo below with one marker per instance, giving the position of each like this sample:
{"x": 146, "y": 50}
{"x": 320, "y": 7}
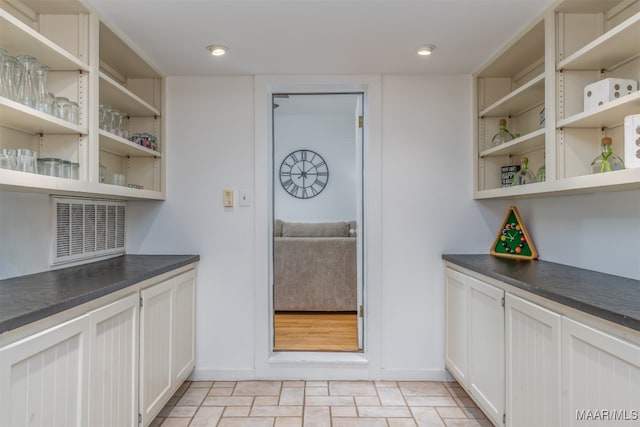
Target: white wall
{"x": 332, "y": 136}
{"x": 427, "y": 209}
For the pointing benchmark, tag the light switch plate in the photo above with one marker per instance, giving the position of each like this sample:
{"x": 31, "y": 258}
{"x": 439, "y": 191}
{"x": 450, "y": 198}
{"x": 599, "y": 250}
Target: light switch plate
{"x": 243, "y": 198}
{"x": 227, "y": 198}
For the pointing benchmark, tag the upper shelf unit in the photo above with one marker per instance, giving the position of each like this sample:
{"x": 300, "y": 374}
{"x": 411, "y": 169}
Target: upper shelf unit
{"x": 521, "y": 145}
{"x": 531, "y": 93}
{"x": 608, "y": 115}
{"x": 117, "y": 145}
{"x": 19, "y": 38}
{"x": 613, "y": 48}
{"x": 120, "y": 59}
{"x": 118, "y": 96}
{"x": 26, "y": 119}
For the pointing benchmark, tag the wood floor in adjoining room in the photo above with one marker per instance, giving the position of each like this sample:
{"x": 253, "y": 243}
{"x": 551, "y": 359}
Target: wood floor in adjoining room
{"x": 316, "y": 331}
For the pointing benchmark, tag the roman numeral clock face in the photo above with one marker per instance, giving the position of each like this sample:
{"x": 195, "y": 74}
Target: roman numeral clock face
{"x": 304, "y": 174}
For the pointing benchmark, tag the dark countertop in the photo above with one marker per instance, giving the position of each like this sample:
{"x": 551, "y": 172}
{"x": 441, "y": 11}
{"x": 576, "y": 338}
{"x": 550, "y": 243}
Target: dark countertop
{"x": 26, "y": 299}
{"x": 609, "y": 297}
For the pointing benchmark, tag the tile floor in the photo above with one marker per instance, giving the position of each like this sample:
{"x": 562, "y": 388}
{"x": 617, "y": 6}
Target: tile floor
{"x": 320, "y": 403}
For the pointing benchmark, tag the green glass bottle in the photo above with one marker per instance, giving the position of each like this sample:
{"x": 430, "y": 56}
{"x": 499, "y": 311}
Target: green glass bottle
{"x": 503, "y": 134}
{"x": 607, "y": 161}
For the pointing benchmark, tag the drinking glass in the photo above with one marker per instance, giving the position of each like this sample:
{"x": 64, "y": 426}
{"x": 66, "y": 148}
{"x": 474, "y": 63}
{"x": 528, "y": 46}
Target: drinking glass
{"x": 40, "y": 79}
{"x": 26, "y": 81}
{"x": 27, "y": 160}
{"x": 6, "y": 162}
{"x": 12, "y": 155}
{"x": 8, "y": 70}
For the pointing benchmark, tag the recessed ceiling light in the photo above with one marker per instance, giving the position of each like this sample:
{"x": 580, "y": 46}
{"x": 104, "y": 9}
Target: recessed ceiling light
{"x": 426, "y": 49}
{"x": 217, "y": 49}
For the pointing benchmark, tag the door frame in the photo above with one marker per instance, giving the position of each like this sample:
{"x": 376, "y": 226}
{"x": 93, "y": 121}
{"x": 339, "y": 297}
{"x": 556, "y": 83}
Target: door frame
{"x": 358, "y": 365}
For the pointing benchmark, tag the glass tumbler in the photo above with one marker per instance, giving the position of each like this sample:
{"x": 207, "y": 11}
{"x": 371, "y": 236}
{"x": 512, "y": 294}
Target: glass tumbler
{"x": 26, "y": 82}
{"x": 42, "y": 98}
{"x": 61, "y": 107}
{"x": 8, "y": 70}
{"x": 12, "y": 155}
{"x": 73, "y": 113}
{"x": 6, "y": 162}
{"x": 27, "y": 160}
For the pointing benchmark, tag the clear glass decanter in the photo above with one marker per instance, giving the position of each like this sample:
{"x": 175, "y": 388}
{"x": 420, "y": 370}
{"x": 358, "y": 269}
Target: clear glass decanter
{"x": 524, "y": 175}
{"x": 43, "y": 103}
{"x": 26, "y": 91}
{"x": 607, "y": 161}
{"x": 503, "y": 134}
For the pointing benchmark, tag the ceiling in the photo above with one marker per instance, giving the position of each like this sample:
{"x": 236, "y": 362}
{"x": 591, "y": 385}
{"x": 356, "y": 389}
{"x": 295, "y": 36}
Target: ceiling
{"x": 318, "y": 37}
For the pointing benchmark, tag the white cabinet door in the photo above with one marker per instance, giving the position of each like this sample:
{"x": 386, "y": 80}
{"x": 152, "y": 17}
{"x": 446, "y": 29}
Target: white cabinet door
{"x": 600, "y": 378}
{"x": 155, "y": 349}
{"x": 184, "y": 327}
{"x": 456, "y": 325}
{"x": 533, "y": 364}
{"x": 43, "y": 378}
{"x": 486, "y": 348}
{"x": 113, "y": 376}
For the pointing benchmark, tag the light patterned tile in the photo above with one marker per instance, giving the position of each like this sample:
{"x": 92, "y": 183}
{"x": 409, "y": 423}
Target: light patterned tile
{"x": 384, "y": 411}
{"x": 359, "y": 422}
{"x": 391, "y": 397}
{"x": 181, "y": 411}
{"x": 220, "y": 391}
{"x": 257, "y": 388}
{"x": 367, "y": 401}
{"x": 165, "y": 411}
{"x": 351, "y": 388}
{"x": 201, "y": 384}
{"x": 176, "y": 422}
{"x": 451, "y": 412}
{"x": 157, "y": 421}
{"x": 317, "y": 416}
{"x": 427, "y": 417}
{"x": 293, "y": 383}
{"x": 401, "y": 422}
{"x": 430, "y": 401}
{"x": 265, "y": 401}
{"x": 228, "y": 401}
{"x": 317, "y": 383}
{"x": 423, "y": 388}
{"x": 343, "y": 411}
{"x": 224, "y": 384}
{"x": 292, "y": 396}
{"x": 207, "y": 416}
{"x": 288, "y": 422}
{"x": 276, "y": 411}
{"x": 237, "y": 411}
{"x": 329, "y": 401}
{"x": 465, "y": 402}
{"x": 317, "y": 391}
{"x": 384, "y": 384}
{"x": 193, "y": 397}
{"x": 474, "y": 413}
{"x": 467, "y": 422}
{"x": 246, "y": 422}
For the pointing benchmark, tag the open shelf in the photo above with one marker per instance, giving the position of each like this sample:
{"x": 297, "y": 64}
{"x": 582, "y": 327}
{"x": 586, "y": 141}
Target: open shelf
{"x": 114, "y": 94}
{"x": 608, "y": 115}
{"x": 521, "y": 145}
{"x": 123, "y": 147}
{"x": 611, "y": 49}
{"x": 18, "y": 39}
{"x": 119, "y": 56}
{"x": 521, "y": 99}
{"x": 26, "y": 119}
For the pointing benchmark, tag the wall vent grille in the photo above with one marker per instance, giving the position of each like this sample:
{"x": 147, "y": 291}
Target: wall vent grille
{"x": 86, "y": 229}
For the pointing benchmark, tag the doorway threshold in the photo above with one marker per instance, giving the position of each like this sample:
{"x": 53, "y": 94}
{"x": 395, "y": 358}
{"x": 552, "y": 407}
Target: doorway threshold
{"x": 325, "y": 358}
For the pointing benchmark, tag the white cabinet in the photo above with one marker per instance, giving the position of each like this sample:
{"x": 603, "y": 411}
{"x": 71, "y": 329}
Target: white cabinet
{"x": 166, "y": 341}
{"x": 486, "y": 348}
{"x": 44, "y": 378}
{"x": 91, "y": 65}
{"x": 456, "y": 353}
{"x": 474, "y": 352}
{"x": 599, "y": 373}
{"x": 532, "y": 364}
{"x": 113, "y": 376}
{"x": 548, "y": 65}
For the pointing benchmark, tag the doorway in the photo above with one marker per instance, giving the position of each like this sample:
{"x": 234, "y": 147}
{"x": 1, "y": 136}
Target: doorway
{"x": 318, "y": 283}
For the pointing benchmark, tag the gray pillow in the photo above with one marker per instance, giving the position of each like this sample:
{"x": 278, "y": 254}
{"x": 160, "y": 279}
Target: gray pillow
{"x": 319, "y": 229}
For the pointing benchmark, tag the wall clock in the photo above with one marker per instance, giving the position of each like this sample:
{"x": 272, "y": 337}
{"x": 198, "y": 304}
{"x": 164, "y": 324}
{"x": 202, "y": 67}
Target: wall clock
{"x": 513, "y": 240}
{"x": 304, "y": 174}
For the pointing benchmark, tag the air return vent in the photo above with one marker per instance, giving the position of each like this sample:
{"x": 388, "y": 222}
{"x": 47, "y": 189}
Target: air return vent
{"x": 85, "y": 229}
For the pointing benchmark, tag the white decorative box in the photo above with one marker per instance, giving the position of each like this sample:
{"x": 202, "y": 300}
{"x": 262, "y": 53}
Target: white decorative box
{"x": 605, "y": 90}
{"x": 632, "y": 141}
